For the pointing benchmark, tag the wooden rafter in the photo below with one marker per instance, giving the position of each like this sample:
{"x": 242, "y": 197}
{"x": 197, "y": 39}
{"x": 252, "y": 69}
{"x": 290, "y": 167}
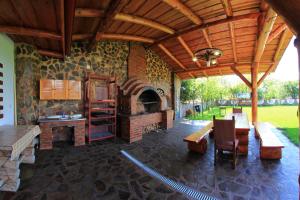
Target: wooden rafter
{"x": 264, "y": 34}
{"x": 85, "y": 36}
{"x": 276, "y": 32}
{"x": 113, "y": 8}
{"x": 49, "y": 53}
{"x": 86, "y": 12}
{"x": 206, "y": 37}
{"x": 14, "y": 30}
{"x": 69, "y": 21}
{"x": 242, "y": 77}
{"x": 186, "y": 11}
{"x": 62, "y": 26}
{"x": 227, "y": 7}
{"x": 232, "y": 34}
{"x": 187, "y": 48}
{"x": 111, "y": 36}
{"x": 183, "y": 31}
{"x": 162, "y": 47}
{"x": 275, "y": 58}
{"x": 202, "y": 69}
{"x": 143, "y": 21}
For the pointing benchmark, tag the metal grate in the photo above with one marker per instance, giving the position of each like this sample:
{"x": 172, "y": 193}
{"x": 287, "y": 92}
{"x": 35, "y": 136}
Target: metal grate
{"x": 177, "y": 186}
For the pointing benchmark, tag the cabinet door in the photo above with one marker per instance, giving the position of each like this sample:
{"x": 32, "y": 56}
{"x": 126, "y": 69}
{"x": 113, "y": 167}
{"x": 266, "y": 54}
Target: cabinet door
{"x": 46, "y": 89}
{"x": 74, "y": 90}
{"x": 60, "y": 89}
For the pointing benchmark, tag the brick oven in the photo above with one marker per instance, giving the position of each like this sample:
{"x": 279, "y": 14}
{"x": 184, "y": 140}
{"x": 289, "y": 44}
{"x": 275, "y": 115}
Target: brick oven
{"x": 142, "y": 108}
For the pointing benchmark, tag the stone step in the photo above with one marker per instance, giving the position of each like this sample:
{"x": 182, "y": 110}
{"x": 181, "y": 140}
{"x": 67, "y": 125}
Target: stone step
{"x": 10, "y": 185}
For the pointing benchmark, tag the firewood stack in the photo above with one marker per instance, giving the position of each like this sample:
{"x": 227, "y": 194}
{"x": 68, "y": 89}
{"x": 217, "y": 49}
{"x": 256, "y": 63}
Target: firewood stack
{"x": 16, "y": 147}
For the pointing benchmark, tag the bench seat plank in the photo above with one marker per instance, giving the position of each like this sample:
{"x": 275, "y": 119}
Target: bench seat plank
{"x": 270, "y": 145}
{"x": 199, "y": 135}
{"x": 268, "y": 139}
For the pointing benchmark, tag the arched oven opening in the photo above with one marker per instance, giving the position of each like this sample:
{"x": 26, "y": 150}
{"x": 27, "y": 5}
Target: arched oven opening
{"x": 148, "y": 102}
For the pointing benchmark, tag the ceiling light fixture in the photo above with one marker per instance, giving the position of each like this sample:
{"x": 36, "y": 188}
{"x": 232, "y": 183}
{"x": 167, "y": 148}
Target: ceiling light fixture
{"x": 209, "y": 55}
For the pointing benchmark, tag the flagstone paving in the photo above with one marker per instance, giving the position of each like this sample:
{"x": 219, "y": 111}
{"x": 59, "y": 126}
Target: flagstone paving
{"x": 99, "y": 171}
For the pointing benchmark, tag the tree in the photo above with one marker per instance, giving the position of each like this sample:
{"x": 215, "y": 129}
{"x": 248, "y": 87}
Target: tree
{"x": 291, "y": 89}
{"x": 190, "y": 91}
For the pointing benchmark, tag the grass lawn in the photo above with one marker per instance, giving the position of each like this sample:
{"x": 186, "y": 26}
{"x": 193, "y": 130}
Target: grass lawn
{"x": 283, "y": 117}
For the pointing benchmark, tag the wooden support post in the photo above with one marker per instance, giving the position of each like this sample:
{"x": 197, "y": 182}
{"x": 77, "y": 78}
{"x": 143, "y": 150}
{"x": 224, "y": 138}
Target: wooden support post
{"x": 254, "y": 95}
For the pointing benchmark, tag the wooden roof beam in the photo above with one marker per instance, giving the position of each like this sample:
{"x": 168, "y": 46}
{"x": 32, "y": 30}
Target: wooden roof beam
{"x": 276, "y": 32}
{"x": 206, "y": 37}
{"x": 162, "y": 47}
{"x": 203, "y": 69}
{"x": 186, "y": 11}
{"x": 62, "y": 26}
{"x": 14, "y": 30}
{"x": 49, "y": 53}
{"x": 85, "y": 36}
{"x": 275, "y": 58}
{"x": 87, "y": 12}
{"x": 183, "y": 31}
{"x": 113, "y": 8}
{"x": 242, "y": 77}
{"x": 69, "y": 21}
{"x": 111, "y": 36}
{"x": 232, "y": 34}
{"x": 143, "y": 21}
{"x": 264, "y": 34}
{"x": 227, "y": 7}
{"x": 187, "y": 48}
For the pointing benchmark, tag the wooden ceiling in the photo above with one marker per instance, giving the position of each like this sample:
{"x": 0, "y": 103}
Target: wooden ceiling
{"x": 247, "y": 31}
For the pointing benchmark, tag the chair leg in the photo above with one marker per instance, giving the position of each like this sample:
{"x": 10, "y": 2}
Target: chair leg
{"x": 234, "y": 159}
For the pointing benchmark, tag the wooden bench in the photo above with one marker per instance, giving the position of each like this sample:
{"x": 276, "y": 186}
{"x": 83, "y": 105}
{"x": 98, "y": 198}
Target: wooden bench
{"x": 270, "y": 145}
{"x": 197, "y": 141}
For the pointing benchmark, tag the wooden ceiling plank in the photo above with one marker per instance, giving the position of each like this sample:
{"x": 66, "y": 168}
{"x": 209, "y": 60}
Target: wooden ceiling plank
{"x": 183, "y": 31}
{"x": 69, "y": 21}
{"x": 264, "y": 34}
{"x": 242, "y": 77}
{"x": 162, "y": 47}
{"x": 14, "y": 30}
{"x": 143, "y": 21}
{"x": 186, "y": 11}
{"x": 227, "y": 7}
{"x": 84, "y": 36}
{"x": 49, "y": 53}
{"x": 87, "y": 12}
{"x": 202, "y": 69}
{"x": 111, "y": 36}
{"x": 276, "y": 32}
{"x": 114, "y": 7}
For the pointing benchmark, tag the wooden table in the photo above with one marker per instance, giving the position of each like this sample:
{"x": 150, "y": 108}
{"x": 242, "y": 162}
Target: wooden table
{"x": 242, "y": 128}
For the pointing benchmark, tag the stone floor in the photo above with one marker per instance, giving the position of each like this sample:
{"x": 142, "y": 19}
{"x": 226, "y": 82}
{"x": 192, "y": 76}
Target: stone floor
{"x": 99, "y": 171}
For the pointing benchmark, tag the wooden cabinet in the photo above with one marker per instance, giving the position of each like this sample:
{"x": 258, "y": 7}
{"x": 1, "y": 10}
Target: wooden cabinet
{"x": 60, "y": 89}
{"x": 74, "y": 90}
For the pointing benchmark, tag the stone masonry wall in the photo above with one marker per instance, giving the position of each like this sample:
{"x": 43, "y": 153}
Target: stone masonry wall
{"x": 108, "y": 58}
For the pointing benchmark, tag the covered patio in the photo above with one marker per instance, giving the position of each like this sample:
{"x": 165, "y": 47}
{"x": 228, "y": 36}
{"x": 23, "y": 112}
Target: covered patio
{"x": 99, "y": 171}
{"x": 83, "y": 80}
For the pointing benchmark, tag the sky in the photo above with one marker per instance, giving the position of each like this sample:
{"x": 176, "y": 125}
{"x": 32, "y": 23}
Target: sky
{"x": 287, "y": 68}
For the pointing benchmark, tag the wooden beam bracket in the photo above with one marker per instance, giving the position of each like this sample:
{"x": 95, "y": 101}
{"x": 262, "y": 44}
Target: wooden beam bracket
{"x": 242, "y": 77}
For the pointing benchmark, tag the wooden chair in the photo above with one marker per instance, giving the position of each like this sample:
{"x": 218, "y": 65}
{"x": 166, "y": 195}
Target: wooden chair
{"x": 225, "y": 138}
{"x": 237, "y": 110}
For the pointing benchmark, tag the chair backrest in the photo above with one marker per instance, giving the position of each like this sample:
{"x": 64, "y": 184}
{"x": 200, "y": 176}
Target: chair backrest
{"x": 237, "y": 110}
{"x": 224, "y": 131}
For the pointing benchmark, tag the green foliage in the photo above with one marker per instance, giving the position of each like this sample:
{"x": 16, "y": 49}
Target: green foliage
{"x": 238, "y": 89}
{"x": 291, "y": 89}
{"x": 190, "y": 90}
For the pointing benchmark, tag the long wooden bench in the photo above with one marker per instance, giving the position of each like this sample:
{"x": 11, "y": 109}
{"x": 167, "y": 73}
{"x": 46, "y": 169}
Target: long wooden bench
{"x": 196, "y": 141}
{"x": 270, "y": 145}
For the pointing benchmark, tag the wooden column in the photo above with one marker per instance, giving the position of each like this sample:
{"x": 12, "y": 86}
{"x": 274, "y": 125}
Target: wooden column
{"x": 297, "y": 45}
{"x": 254, "y": 95}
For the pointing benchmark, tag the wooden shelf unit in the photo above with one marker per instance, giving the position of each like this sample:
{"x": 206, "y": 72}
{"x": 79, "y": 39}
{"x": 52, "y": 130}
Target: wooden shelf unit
{"x": 101, "y": 113}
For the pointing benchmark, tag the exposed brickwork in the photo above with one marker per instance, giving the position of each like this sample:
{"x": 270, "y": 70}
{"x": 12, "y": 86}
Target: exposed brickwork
{"x": 46, "y": 137}
{"x": 137, "y": 62}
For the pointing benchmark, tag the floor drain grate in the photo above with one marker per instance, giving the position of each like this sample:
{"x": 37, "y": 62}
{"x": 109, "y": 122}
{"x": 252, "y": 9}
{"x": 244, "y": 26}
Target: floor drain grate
{"x": 177, "y": 186}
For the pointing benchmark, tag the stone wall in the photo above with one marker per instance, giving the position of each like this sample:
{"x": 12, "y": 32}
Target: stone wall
{"x": 108, "y": 58}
